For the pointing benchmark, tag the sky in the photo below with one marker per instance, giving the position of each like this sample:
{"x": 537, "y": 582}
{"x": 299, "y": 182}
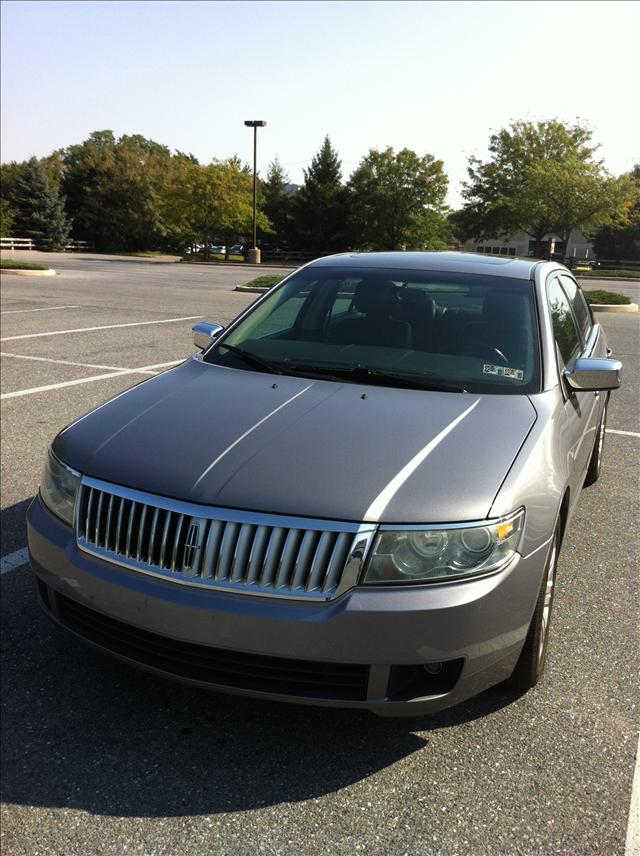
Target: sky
{"x": 436, "y": 77}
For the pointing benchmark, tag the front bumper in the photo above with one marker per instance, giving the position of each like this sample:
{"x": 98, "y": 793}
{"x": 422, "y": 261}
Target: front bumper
{"x": 366, "y": 649}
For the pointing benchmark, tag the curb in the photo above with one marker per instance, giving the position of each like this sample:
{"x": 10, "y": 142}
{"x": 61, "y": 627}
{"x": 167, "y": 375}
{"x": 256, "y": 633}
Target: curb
{"x": 48, "y": 272}
{"x": 251, "y": 290}
{"x": 614, "y": 307}
{"x": 245, "y": 265}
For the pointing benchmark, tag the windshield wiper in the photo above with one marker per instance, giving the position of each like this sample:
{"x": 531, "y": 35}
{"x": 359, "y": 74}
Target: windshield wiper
{"x": 364, "y": 374}
{"x": 252, "y": 359}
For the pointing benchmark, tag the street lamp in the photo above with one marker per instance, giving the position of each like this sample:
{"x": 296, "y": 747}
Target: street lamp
{"x": 254, "y": 252}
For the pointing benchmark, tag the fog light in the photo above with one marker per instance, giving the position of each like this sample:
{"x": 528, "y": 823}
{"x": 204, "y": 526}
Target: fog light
{"x": 433, "y": 668}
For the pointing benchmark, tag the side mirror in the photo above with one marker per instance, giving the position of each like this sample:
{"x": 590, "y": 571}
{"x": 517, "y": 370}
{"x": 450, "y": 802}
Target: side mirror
{"x": 204, "y": 333}
{"x": 594, "y": 375}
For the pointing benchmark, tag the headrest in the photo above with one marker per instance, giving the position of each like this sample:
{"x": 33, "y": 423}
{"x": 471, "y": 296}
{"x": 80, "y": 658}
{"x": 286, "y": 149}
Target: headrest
{"x": 375, "y": 296}
{"x": 415, "y": 305}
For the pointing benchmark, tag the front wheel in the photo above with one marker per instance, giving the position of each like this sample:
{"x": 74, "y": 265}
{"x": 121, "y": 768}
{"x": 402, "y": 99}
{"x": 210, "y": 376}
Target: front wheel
{"x": 530, "y": 665}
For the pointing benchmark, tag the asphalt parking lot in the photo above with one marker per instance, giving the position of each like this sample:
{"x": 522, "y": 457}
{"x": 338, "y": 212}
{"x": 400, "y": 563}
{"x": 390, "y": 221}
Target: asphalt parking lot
{"x": 100, "y": 759}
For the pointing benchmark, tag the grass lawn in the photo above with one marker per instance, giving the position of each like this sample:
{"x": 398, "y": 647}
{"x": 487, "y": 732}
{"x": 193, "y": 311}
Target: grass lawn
{"x": 10, "y": 264}
{"x": 597, "y": 273}
{"x": 265, "y": 281}
{"x": 598, "y": 297}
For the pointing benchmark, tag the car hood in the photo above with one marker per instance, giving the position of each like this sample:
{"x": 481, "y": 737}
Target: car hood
{"x": 303, "y": 447}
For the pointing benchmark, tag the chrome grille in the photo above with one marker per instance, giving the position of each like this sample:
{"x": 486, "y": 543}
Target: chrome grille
{"x": 220, "y": 548}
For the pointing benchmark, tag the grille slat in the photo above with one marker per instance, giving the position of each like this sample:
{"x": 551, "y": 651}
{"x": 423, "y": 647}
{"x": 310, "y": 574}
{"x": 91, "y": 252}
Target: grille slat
{"x": 212, "y": 548}
{"x": 165, "y": 536}
{"x": 254, "y": 554}
{"x": 123, "y": 502}
{"x": 176, "y": 541}
{"x": 242, "y": 551}
{"x": 227, "y": 551}
{"x": 98, "y": 515}
{"x": 320, "y": 560}
{"x": 132, "y": 514}
{"x": 272, "y": 557}
{"x": 288, "y": 557}
{"x": 87, "y": 525}
{"x": 107, "y": 528}
{"x": 141, "y": 533}
{"x": 304, "y": 559}
{"x": 152, "y": 536}
{"x": 337, "y": 560}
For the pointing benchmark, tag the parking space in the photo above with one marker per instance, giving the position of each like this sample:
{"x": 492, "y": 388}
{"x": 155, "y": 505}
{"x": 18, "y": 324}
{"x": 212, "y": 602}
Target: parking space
{"x": 101, "y": 759}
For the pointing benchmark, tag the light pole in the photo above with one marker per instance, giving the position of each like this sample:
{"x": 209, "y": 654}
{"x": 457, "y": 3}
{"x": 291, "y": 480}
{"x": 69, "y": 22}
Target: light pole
{"x": 254, "y": 252}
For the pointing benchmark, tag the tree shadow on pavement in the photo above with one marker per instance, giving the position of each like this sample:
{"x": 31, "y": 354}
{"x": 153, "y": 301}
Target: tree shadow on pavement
{"x": 82, "y": 731}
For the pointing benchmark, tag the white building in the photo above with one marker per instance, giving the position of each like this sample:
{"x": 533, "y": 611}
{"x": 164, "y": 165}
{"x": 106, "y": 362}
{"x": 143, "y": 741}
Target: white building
{"x": 522, "y": 244}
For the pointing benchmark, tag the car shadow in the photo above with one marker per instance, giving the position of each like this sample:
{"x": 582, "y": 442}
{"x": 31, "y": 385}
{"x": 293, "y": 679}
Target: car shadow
{"x": 83, "y": 731}
{"x": 13, "y": 526}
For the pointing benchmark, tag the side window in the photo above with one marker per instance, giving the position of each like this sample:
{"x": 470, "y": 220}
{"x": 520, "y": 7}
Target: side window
{"x": 564, "y": 325}
{"x": 578, "y": 304}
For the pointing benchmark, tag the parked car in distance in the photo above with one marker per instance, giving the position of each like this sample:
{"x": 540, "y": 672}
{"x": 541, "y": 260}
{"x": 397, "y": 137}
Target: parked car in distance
{"x": 237, "y": 250}
{"x": 353, "y": 495}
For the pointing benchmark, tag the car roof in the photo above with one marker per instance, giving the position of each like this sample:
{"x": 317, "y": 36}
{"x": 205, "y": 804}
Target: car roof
{"x": 449, "y": 261}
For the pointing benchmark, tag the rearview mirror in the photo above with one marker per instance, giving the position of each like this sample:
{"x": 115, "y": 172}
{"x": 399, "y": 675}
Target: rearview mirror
{"x": 594, "y": 375}
{"x": 204, "y": 333}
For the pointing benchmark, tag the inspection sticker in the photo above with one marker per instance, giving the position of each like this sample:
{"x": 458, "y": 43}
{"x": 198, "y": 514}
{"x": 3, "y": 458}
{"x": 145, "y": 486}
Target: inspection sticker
{"x": 503, "y": 371}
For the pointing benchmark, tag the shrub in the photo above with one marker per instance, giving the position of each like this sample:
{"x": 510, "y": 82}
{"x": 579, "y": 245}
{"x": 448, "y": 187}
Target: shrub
{"x": 598, "y": 297}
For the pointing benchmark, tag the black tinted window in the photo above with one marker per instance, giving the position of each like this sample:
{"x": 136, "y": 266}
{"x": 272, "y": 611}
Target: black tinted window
{"x": 428, "y": 329}
{"x": 564, "y": 327}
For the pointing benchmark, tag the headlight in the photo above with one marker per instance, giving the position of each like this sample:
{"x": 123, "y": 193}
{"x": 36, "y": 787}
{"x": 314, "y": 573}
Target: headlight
{"x": 429, "y": 555}
{"x": 59, "y": 488}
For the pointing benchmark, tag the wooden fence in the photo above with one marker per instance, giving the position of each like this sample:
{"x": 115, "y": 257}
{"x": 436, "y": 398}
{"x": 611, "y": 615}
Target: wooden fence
{"x": 28, "y": 244}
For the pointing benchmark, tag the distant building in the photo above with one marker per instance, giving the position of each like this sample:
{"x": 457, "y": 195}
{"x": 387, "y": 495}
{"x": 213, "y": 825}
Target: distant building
{"x": 521, "y": 244}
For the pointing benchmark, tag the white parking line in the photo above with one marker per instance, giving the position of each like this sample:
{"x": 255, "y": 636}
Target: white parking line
{"x": 146, "y": 370}
{"x": 103, "y": 327}
{"x": 632, "y": 847}
{"x": 14, "y": 560}
{"x": 65, "y": 362}
{"x": 625, "y": 433}
{"x": 45, "y": 309}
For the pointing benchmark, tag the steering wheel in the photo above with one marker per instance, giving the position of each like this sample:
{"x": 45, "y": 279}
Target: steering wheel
{"x": 474, "y": 348}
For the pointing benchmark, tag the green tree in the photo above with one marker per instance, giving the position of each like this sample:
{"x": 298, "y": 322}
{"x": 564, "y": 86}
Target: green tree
{"x": 396, "y": 201}
{"x": 622, "y": 241}
{"x": 7, "y": 216}
{"x": 114, "y": 188}
{"x": 320, "y": 206}
{"x": 277, "y": 203}
{"x": 39, "y": 209}
{"x": 574, "y": 194}
{"x": 213, "y": 201}
{"x": 511, "y": 190}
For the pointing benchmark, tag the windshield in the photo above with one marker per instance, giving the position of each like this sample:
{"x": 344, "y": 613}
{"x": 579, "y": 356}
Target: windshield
{"x": 428, "y": 330}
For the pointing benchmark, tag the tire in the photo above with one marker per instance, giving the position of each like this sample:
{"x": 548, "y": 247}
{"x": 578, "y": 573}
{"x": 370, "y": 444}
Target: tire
{"x": 595, "y": 462}
{"x": 530, "y": 665}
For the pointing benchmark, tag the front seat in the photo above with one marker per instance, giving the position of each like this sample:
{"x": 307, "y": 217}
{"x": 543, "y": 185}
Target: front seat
{"x": 377, "y": 301}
